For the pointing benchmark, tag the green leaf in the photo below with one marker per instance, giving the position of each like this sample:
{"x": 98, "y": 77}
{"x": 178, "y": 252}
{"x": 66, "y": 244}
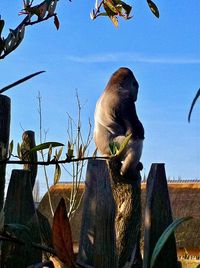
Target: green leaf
{"x": 104, "y": 14}
{"x": 49, "y": 153}
{"x": 114, "y": 147}
{"x": 45, "y": 145}
{"x": 92, "y": 15}
{"x": 164, "y": 237}
{"x": 20, "y": 81}
{"x": 17, "y": 226}
{"x": 127, "y": 9}
{"x": 56, "y": 22}
{"x": 2, "y": 43}
{"x": 52, "y": 7}
{"x": 59, "y": 153}
{"x": 57, "y": 174}
{"x": 111, "y": 6}
{"x": 114, "y": 20}
{"x": 84, "y": 150}
{"x": 42, "y": 10}
{"x": 19, "y": 153}
{"x": 153, "y": 8}
{"x": 111, "y": 11}
{"x": 124, "y": 144}
{"x": 70, "y": 150}
{"x": 32, "y": 10}
{"x": 80, "y": 151}
{"x": 193, "y": 103}
{"x": 96, "y": 4}
{"x": 11, "y": 145}
{"x": 95, "y": 153}
{"x": 2, "y": 23}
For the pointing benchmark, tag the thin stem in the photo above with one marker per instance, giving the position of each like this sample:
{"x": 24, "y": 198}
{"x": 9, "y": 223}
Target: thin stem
{"x": 42, "y": 154}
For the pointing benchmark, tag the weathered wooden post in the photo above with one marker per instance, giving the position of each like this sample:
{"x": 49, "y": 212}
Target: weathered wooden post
{"x": 111, "y": 218}
{"x": 28, "y": 142}
{"x": 5, "y": 106}
{"x": 158, "y": 217}
{"x": 20, "y": 209}
{"x": 97, "y": 241}
{"x": 127, "y": 197}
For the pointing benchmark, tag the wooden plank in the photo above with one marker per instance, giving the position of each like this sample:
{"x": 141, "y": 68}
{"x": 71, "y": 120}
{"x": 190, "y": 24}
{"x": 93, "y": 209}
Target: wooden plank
{"x": 20, "y": 209}
{"x": 97, "y": 243}
{"x": 111, "y": 218}
{"x": 5, "y": 105}
{"x": 127, "y": 197}
{"x": 105, "y": 254}
{"x": 158, "y": 216}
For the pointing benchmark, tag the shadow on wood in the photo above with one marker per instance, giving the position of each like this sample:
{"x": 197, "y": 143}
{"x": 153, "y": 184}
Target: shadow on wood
{"x": 97, "y": 240}
{"x": 5, "y": 106}
{"x": 158, "y": 217}
{"x": 111, "y": 218}
{"x": 20, "y": 209}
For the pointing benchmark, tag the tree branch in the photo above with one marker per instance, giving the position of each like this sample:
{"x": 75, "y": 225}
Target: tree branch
{"x": 52, "y": 162}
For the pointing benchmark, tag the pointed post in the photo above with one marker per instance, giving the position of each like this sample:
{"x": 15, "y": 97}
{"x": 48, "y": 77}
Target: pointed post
{"x": 111, "y": 219}
{"x": 20, "y": 209}
{"x": 158, "y": 216}
{"x": 97, "y": 239}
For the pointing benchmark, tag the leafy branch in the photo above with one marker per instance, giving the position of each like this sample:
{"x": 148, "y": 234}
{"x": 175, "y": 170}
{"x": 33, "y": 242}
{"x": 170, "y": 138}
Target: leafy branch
{"x": 46, "y": 10}
{"x": 53, "y": 161}
{"x": 117, "y": 8}
{"x": 43, "y": 12}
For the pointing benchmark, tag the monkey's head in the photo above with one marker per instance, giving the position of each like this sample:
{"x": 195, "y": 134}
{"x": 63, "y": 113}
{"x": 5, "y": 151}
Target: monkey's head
{"x": 124, "y": 78}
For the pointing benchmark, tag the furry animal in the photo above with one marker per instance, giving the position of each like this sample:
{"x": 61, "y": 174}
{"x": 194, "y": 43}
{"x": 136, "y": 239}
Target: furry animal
{"x": 116, "y": 117}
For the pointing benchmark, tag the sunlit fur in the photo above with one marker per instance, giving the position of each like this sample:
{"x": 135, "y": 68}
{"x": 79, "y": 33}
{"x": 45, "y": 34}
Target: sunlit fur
{"x": 116, "y": 117}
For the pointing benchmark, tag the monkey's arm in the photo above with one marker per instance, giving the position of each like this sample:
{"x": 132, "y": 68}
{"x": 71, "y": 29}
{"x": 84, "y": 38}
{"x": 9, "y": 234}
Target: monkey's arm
{"x": 128, "y": 116}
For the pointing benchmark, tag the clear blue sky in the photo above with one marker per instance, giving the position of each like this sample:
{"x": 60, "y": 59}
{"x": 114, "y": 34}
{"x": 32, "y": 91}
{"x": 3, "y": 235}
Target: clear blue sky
{"x": 164, "y": 55}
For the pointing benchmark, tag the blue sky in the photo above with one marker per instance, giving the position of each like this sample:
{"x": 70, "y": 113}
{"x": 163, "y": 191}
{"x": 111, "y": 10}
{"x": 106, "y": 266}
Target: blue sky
{"x": 164, "y": 55}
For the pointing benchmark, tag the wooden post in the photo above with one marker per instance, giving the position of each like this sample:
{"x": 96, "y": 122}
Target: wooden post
{"x": 97, "y": 239}
{"x": 5, "y": 105}
{"x": 127, "y": 196}
{"x": 111, "y": 219}
{"x": 28, "y": 142}
{"x": 20, "y": 209}
{"x": 158, "y": 216}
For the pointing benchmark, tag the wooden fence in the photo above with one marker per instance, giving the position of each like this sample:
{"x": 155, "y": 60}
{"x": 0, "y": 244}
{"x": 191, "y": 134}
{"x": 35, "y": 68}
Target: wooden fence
{"x": 110, "y": 230}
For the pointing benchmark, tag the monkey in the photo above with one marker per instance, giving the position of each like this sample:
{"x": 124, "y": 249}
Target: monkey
{"x": 116, "y": 117}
